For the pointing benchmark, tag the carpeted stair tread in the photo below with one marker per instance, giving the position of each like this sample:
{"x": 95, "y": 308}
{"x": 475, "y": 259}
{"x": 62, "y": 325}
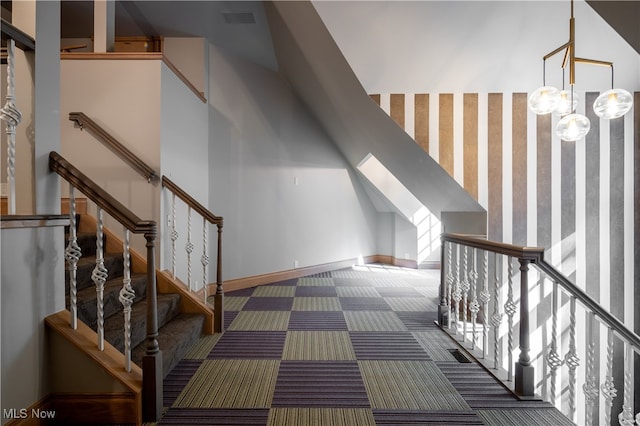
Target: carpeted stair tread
{"x": 87, "y": 298}
{"x": 175, "y": 338}
{"x": 168, "y": 308}
{"x": 112, "y": 261}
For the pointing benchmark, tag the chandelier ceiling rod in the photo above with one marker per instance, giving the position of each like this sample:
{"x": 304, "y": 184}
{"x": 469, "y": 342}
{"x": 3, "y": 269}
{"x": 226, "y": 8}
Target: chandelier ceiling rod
{"x": 570, "y": 52}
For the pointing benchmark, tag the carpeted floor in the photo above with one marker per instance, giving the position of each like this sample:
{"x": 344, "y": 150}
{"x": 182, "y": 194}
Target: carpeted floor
{"x": 349, "y": 347}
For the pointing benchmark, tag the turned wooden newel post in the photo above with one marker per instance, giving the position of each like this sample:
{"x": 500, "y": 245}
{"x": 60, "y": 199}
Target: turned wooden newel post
{"x": 218, "y": 304}
{"x": 152, "y": 361}
{"x": 524, "y": 377}
{"x": 443, "y": 308}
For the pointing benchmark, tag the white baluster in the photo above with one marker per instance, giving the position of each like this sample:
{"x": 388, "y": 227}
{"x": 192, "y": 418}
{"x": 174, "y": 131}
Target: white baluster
{"x": 127, "y": 296}
{"x": 457, "y": 293}
{"x": 590, "y": 386}
{"x": 189, "y": 248}
{"x": 204, "y": 259}
{"x": 465, "y": 286}
{"x": 474, "y": 306}
{"x": 450, "y": 281}
{"x": 12, "y": 116}
{"x": 608, "y": 388}
{"x": 72, "y": 254}
{"x": 626, "y": 416}
{"x": 510, "y": 310}
{"x": 485, "y": 297}
{"x": 496, "y": 318}
{"x": 174, "y": 235}
{"x": 99, "y": 277}
{"x": 553, "y": 359}
{"x": 571, "y": 359}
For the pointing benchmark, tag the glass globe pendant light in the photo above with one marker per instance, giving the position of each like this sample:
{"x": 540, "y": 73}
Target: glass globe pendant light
{"x": 544, "y": 100}
{"x": 567, "y": 103}
{"x": 613, "y": 103}
{"x": 573, "y": 127}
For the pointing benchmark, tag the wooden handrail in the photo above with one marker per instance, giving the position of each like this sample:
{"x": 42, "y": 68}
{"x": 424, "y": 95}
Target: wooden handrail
{"x": 535, "y": 255}
{"x": 95, "y": 193}
{"x": 22, "y": 39}
{"x": 112, "y": 143}
{"x": 191, "y": 202}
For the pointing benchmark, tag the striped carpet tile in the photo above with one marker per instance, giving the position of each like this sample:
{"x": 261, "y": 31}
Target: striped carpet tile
{"x": 524, "y": 416}
{"x": 413, "y": 304}
{"x": 229, "y": 316}
{"x": 249, "y": 345}
{"x": 393, "y": 345}
{"x": 436, "y": 344}
{"x": 353, "y": 281}
{"x": 234, "y": 303}
{"x": 274, "y": 290}
{"x": 315, "y": 281}
{"x": 231, "y": 383}
{"x": 321, "y": 417}
{"x": 373, "y": 321}
{"x": 418, "y": 320}
{"x": 353, "y": 291}
{"x": 364, "y": 304}
{"x": 318, "y": 345}
{"x": 480, "y": 389}
{"x": 335, "y": 384}
{"x": 317, "y": 321}
{"x": 215, "y": 417}
{"x": 175, "y": 381}
{"x": 260, "y": 321}
{"x": 316, "y": 304}
{"x": 203, "y": 346}
{"x": 409, "y": 385}
{"x": 426, "y": 417}
{"x": 268, "y": 303}
{"x": 398, "y": 292}
{"x": 315, "y": 291}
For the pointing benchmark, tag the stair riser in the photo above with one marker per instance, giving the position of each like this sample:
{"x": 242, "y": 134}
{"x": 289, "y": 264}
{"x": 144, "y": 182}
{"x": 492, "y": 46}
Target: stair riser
{"x": 168, "y": 308}
{"x": 87, "y": 300}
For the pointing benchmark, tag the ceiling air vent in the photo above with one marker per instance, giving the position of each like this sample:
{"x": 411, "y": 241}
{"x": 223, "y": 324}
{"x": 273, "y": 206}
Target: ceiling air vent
{"x": 239, "y": 17}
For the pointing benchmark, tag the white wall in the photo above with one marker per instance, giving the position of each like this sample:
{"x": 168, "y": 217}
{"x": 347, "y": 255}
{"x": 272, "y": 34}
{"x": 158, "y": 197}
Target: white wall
{"x": 123, "y": 97}
{"x": 283, "y": 188}
{"x": 32, "y": 288}
{"x": 188, "y": 54}
{"x": 184, "y": 147}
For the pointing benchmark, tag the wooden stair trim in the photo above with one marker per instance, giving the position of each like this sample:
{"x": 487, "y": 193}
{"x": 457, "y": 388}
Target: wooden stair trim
{"x": 84, "y": 338}
{"x": 86, "y": 408}
{"x": 272, "y": 277}
{"x": 189, "y": 301}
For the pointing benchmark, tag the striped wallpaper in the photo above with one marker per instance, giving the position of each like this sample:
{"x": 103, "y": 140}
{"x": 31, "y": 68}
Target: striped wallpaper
{"x": 537, "y": 189}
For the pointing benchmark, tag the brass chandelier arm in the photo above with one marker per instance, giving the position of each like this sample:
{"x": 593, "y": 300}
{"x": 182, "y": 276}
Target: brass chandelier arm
{"x": 567, "y": 45}
{"x": 593, "y": 62}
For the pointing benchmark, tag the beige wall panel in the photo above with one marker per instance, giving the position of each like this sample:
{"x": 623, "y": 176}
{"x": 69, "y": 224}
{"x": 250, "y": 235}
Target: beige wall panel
{"x": 445, "y": 132}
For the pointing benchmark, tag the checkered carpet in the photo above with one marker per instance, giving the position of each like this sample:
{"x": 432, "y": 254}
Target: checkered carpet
{"x": 349, "y": 347}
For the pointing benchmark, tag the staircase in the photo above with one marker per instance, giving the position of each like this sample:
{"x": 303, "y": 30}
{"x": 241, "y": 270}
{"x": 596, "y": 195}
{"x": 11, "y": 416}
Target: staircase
{"x": 177, "y": 330}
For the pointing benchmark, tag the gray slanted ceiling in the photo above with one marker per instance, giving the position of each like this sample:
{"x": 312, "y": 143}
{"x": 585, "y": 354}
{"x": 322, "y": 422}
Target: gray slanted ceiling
{"x": 311, "y": 61}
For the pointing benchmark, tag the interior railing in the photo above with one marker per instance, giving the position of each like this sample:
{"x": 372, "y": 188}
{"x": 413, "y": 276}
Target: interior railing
{"x": 477, "y": 291}
{"x": 207, "y": 218}
{"x": 84, "y": 122}
{"x": 152, "y": 361}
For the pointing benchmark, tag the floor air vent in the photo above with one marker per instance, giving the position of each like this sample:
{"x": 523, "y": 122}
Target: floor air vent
{"x": 459, "y": 356}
